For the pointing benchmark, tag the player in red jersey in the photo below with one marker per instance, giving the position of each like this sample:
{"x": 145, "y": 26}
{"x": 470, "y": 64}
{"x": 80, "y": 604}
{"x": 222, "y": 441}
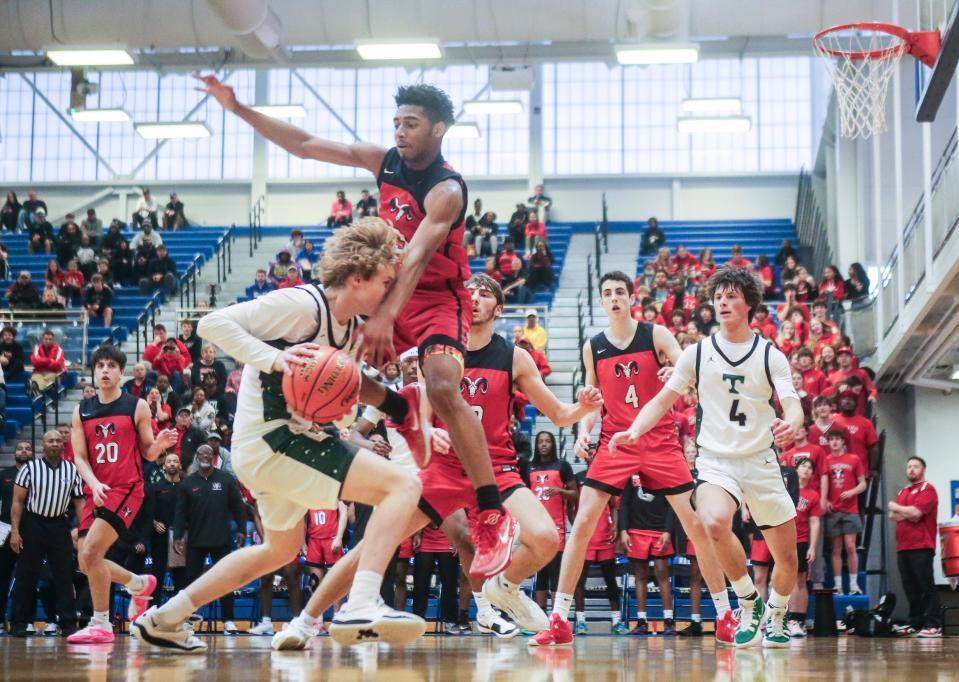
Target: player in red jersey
{"x": 111, "y": 431}
{"x": 554, "y": 484}
{"x": 808, "y": 517}
{"x": 427, "y": 307}
{"x": 624, "y": 362}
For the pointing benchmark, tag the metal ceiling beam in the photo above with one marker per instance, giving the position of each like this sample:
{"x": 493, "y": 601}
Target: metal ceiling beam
{"x": 326, "y": 105}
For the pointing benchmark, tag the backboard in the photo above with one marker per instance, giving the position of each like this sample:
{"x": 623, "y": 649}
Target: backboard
{"x": 932, "y": 82}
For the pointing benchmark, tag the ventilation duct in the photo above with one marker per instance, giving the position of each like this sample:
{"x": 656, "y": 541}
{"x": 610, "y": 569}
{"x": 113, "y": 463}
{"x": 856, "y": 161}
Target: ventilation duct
{"x": 257, "y": 27}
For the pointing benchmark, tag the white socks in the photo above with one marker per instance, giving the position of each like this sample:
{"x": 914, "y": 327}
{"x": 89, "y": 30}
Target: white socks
{"x": 365, "y": 589}
{"x": 777, "y": 601}
{"x": 308, "y": 619}
{"x": 837, "y": 581}
{"x": 561, "y": 604}
{"x": 696, "y": 618}
{"x": 744, "y": 587}
{"x": 641, "y": 615}
{"x": 667, "y": 613}
{"x": 721, "y": 602}
{"x": 615, "y": 616}
{"x": 482, "y": 603}
{"x": 136, "y": 585}
{"x": 101, "y": 619}
{"x": 175, "y": 611}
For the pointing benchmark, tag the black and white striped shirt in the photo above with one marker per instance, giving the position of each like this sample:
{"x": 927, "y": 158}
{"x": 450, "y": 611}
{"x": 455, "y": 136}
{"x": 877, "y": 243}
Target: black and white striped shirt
{"x": 50, "y": 490}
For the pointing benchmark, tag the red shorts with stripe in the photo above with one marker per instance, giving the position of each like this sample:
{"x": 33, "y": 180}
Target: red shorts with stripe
{"x": 446, "y": 489}
{"x": 643, "y": 545}
{"x": 434, "y": 318}
{"x": 319, "y": 553}
{"x": 601, "y": 554}
{"x": 508, "y": 479}
{"x": 759, "y": 553}
{"x": 406, "y": 549}
{"x": 120, "y": 509}
{"x": 660, "y": 466}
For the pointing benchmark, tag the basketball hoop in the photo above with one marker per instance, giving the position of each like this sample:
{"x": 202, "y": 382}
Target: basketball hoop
{"x": 861, "y": 59}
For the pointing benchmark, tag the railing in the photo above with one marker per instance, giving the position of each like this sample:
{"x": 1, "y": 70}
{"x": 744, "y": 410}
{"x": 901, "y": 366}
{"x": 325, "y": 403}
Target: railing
{"x": 70, "y": 329}
{"x": 257, "y": 211}
{"x": 188, "y": 282}
{"x": 811, "y": 226}
{"x": 145, "y": 321}
{"x": 224, "y": 254}
{"x": 589, "y": 286}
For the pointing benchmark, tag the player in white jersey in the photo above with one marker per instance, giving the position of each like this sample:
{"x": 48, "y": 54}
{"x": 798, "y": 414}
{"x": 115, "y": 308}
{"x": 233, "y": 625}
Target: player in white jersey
{"x": 735, "y": 373}
{"x": 291, "y": 465}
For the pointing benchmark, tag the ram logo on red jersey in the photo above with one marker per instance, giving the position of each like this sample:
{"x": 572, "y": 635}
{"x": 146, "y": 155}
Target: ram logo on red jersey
{"x": 401, "y": 210}
{"x": 473, "y": 385}
{"x": 625, "y": 369}
{"x": 105, "y": 430}
{"x": 542, "y": 478}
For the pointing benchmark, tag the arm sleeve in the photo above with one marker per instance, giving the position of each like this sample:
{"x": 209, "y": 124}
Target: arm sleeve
{"x": 372, "y": 415}
{"x": 77, "y": 486}
{"x": 781, "y": 375}
{"x": 240, "y": 329}
{"x": 23, "y": 477}
{"x": 685, "y": 371}
{"x": 566, "y": 472}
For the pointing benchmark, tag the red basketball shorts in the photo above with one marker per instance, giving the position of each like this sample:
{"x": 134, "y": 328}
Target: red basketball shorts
{"x": 600, "y": 554}
{"x": 434, "y": 318}
{"x": 406, "y": 549}
{"x": 659, "y": 463}
{"x": 508, "y": 479}
{"x": 643, "y": 545}
{"x": 120, "y": 509}
{"x": 446, "y": 489}
{"x": 759, "y": 553}
{"x": 319, "y": 553}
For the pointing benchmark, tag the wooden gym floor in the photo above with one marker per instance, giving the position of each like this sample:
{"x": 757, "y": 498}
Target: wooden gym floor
{"x": 481, "y": 658}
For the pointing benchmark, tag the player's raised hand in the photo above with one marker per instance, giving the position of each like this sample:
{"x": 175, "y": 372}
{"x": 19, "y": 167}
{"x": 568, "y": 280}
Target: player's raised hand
{"x": 375, "y": 339}
{"x": 214, "y": 88}
{"x": 590, "y": 397}
{"x": 99, "y": 493}
{"x": 440, "y": 441}
{"x": 294, "y": 355}
{"x": 783, "y": 433}
{"x": 621, "y": 438}
{"x": 582, "y": 447}
{"x": 167, "y": 438}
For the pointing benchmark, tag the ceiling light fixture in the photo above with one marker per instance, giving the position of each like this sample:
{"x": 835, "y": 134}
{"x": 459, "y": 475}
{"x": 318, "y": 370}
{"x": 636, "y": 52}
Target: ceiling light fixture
{"x": 463, "y": 131}
{"x": 712, "y": 105}
{"x": 90, "y": 57}
{"x": 281, "y": 110}
{"x": 169, "y": 131}
{"x": 99, "y": 115}
{"x": 399, "y": 50}
{"x": 714, "y": 124}
{"x": 492, "y": 107}
{"x": 685, "y": 53}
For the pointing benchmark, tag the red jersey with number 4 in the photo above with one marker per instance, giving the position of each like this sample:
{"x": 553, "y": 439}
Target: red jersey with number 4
{"x": 402, "y": 202}
{"x": 111, "y": 435}
{"x": 807, "y": 505}
{"x": 321, "y": 524}
{"x": 627, "y": 379}
{"x": 487, "y": 385}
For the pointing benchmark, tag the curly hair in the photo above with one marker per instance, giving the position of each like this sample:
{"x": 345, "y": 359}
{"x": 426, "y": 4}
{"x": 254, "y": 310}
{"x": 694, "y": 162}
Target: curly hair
{"x": 359, "y": 249}
{"x": 436, "y": 103}
{"x": 616, "y": 276}
{"x": 483, "y": 281}
{"x": 742, "y": 280}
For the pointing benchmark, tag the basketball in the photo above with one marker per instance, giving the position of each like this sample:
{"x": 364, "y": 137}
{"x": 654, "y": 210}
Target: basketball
{"x": 324, "y": 388}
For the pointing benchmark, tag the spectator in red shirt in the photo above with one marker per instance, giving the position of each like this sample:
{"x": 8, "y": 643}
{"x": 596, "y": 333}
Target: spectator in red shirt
{"x": 71, "y": 282}
{"x": 787, "y": 341}
{"x": 820, "y": 311}
{"x": 765, "y": 272}
{"x": 506, "y": 258}
{"x": 827, "y": 360}
{"x": 808, "y": 516}
{"x": 153, "y": 350}
{"x": 491, "y": 270}
{"x": 823, "y": 420}
{"x": 542, "y": 364}
{"x": 803, "y": 449}
{"x": 814, "y": 381}
{"x": 678, "y": 299}
{"x": 784, "y": 309}
{"x": 832, "y": 284}
{"x": 704, "y": 268}
{"x": 48, "y": 361}
{"x": 171, "y": 363}
{"x": 293, "y": 278}
{"x": 867, "y": 392}
{"x": 861, "y": 437}
{"x": 800, "y": 324}
{"x": 914, "y": 513}
{"x": 738, "y": 261}
{"x": 535, "y": 232}
{"x": 805, "y": 285}
{"x": 683, "y": 261}
{"x": 762, "y": 323}
{"x": 677, "y": 322}
{"x": 663, "y": 261}
{"x": 843, "y": 478}
{"x": 341, "y": 211}
{"x": 651, "y": 315}
{"x": 805, "y": 400}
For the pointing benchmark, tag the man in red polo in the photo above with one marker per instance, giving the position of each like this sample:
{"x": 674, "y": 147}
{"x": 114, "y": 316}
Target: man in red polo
{"x": 914, "y": 512}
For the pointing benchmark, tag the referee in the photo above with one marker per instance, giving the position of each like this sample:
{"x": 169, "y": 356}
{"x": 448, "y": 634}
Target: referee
{"x": 40, "y": 528}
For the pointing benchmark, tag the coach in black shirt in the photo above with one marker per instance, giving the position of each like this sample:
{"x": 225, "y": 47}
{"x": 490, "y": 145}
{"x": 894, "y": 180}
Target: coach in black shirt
{"x": 8, "y": 558}
{"x": 44, "y": 490}
{"x": 161, "y": 501}
{"x": 206, "y": 501}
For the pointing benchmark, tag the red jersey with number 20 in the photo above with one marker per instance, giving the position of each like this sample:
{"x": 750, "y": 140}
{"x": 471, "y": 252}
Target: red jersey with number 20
{"x": 628, "y": 379}
{"x": 487, "y": 385}
{"x": 111, "y": 435}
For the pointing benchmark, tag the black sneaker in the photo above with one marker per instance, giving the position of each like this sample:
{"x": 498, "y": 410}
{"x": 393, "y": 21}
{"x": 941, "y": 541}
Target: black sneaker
{"x": 694, "y": 629}
{"x": 641, "y": 629}
{"x": 669, "y": 627}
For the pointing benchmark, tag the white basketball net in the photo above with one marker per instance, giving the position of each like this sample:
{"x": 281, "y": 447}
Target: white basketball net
{"x": 861, "y": 75}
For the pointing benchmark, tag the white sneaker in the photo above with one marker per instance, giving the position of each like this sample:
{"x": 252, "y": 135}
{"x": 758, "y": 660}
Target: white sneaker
{"x": 264, "y": 627}
{"x": 230, "y": 628}
{"x": 294, "y": 636}
{"x": 180, "y": 638}
{"x": 796, "y": 630}
{"x": 51, "y": 630}
{"x": 516, "y": 604}
{"x": 375, "y": 623}
{"x": 31, "y": 630}
{"x": 492, "y": 622}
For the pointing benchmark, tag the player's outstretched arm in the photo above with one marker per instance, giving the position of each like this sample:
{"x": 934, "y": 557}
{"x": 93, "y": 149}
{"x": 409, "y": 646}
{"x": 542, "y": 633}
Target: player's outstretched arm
{"x": 82, "y": 461}
{"x": 294, "y": 140}
{"x": 647, "y": 418}
{"x": 443, "y": 204}
{"x": 530, "y": 382}
{"x": 588, "y": 421}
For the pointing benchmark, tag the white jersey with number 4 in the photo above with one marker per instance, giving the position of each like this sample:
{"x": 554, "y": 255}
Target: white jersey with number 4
{"x": 735, "y": 383}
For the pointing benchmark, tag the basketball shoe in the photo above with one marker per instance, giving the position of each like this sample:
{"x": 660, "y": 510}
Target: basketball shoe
{"x": 295, "y": 635}
{"x": 516, "y": 604}
{"x": 94, "y": 633}
{"x": 375, "y": 622}
{"x": 490, "y": 621}
{"x": 753, "y": 614}
{"x": 179, "y": 637}
{"x": 726, "y": 629}
{"x": 777, "y": 629}
{"x": 417, "y": 428}
{"x": 493, "y": 532}
{"x": 140, "y": 601}
{"x": 559, "y": 633}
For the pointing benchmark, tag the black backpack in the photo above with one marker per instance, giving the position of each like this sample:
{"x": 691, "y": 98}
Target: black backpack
{"x": 876, "y": 622}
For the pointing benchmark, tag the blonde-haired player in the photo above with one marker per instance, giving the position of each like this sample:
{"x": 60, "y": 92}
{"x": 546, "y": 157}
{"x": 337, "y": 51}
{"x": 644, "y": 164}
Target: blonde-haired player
{"x": 290, "y": 465}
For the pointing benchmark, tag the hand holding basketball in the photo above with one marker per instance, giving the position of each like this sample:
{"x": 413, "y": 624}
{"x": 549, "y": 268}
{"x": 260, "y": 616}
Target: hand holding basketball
{"x": 294, "y": 355}
{"x": 214, "y": 88}
{"x": 322, "y": 385}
